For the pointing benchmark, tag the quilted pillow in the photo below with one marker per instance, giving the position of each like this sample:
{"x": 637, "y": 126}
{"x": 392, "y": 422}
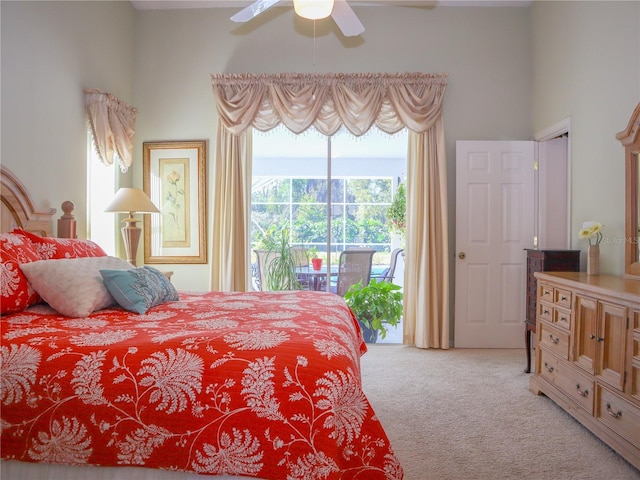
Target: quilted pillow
{"x": 15, "y": 292}
{"x": 139, "y": 289}
{"x": 73, "y": 286}
{"x": 50, "y": 247}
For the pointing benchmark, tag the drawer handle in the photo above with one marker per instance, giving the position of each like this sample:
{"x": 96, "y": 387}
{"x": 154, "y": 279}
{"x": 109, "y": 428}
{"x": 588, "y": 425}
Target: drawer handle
{"x": 563, "y": 299}
{"x": 546, "y": 292}
{"x": 582, "y": 393}
{"x": 546, "y": 312}
{"x": 617, "y": 414}
{"x": 547, "y": 367}
{"x": 597, "y": 339}
{"x": 554, "y": 340}
{"x": 563, "y": 319}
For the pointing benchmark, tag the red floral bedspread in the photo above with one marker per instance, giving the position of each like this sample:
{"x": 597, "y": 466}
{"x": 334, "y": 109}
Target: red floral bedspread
{"x": 257, "y": 384}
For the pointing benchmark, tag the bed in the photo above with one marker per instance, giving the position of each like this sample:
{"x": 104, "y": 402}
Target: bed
{"x": 199, "y": 385}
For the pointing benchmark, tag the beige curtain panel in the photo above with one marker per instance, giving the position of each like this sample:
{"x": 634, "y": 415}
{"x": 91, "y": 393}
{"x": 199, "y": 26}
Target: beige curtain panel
{"x": 329, "y": 102}
{"x": 112, "y": 124}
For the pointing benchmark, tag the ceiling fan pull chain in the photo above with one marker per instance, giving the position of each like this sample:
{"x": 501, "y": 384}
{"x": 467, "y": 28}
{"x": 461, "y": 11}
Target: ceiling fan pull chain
{"x": 314, "y": 46}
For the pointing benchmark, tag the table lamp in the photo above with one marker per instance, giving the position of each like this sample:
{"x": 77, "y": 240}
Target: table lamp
{"x": 131, "y": 200}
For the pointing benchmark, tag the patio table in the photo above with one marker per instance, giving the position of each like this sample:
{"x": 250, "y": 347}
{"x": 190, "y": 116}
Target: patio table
{"x": 316, "y": 277}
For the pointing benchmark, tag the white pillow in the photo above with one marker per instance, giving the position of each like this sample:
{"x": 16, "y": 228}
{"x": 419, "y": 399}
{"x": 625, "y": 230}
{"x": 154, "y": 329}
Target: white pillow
{"x": 73, "y": 287}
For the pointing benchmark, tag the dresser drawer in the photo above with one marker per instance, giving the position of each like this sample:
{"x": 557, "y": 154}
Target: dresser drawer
{"x": 535, "y": 264}
{"x": 545, "y": 292}
{"x": 562, "y": 297}
{"x": 619, "y": 414}
{"x": 634, "y": 351}
{"x": 554, "y": 340}
{"x": 561, "y": 318}
{"x": 578, "y": 387}
{"x": 547, "y": 366}
{"x": 545, "y": 311}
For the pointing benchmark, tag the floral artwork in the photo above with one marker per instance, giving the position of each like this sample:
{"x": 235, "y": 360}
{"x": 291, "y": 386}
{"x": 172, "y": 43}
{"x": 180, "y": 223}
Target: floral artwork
{"x": 174, "y": 174}
{"x": 174, "y": 177}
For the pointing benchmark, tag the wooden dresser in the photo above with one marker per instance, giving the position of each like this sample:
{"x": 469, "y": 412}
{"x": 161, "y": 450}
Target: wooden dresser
{"x": 588, "y": 354}
{"x": 543, "y": 261}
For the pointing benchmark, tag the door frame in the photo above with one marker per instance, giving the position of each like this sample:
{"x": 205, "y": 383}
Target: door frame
{"x": 556, "y": 130}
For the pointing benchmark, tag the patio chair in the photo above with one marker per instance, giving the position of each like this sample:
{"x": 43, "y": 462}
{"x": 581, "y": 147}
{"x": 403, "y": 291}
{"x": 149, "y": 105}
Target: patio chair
{"x": 388, "y": 273}
{"x": 353, "y": 266}
{"x": 301, "y": 261}
{"x": 264, "y": 259}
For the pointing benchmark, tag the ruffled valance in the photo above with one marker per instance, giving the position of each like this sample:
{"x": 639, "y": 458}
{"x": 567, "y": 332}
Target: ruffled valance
{"x": 330, "y": 101}
{"x": 112, "y": 124}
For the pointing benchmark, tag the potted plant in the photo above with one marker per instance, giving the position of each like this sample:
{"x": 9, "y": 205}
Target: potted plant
{"x": 375, "y": 306}
{"x": 281, "y": 271}
{"x": 316, "y": 261}
{"x": 397, "y": 212}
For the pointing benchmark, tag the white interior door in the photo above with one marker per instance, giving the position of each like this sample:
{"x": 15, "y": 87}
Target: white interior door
{"x": 494, "y": 224}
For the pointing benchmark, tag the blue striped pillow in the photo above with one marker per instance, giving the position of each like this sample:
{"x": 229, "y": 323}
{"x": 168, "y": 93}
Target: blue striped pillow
{"x": 139, "y": 289}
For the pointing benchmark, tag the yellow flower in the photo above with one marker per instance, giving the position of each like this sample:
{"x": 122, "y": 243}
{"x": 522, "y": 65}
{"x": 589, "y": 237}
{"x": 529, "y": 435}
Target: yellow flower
{"x": 592, "y": 230}
{"x": 173, "y": 177}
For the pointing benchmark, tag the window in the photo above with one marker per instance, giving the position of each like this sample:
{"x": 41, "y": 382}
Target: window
{"x": 101, "y": 187}
{"x": 358, "y": 207}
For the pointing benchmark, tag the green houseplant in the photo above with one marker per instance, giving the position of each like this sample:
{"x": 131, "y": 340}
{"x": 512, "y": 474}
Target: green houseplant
{"x": 375, "y": 306}
{"x": 281, "y": 267}
{"x": 397, "y": 212}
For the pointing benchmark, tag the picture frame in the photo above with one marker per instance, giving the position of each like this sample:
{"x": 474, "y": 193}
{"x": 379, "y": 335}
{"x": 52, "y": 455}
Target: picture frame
{"x": 174, "y": 177}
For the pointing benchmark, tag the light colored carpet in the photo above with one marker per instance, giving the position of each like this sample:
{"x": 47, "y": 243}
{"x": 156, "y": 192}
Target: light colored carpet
{"x": 464, "y": 414}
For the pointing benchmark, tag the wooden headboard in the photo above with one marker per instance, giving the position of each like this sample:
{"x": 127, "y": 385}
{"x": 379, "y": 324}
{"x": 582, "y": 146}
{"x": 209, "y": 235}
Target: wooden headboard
{"x": 17, "y": 207}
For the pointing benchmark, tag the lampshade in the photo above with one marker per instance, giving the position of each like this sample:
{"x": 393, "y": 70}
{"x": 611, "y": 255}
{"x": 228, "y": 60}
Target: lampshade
{"x": 313, "y": 9}
{"x": 131, "y": 200}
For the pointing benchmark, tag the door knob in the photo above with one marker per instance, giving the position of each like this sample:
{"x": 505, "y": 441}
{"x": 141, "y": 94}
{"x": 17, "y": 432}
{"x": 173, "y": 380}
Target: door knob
{"x": 462, "y": 255}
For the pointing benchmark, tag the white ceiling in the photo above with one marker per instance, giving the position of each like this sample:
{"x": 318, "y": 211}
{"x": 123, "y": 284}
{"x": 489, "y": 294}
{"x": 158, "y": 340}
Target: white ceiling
{"x": 179, "y": 4}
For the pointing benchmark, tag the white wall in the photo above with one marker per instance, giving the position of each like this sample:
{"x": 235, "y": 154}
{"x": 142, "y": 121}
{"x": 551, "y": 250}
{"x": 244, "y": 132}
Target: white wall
{"x": 587, "y": 67}
{"x": 50, "y": 52}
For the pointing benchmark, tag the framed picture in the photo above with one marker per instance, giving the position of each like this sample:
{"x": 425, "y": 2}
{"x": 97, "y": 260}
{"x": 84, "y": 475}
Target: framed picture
{"x": 174, "y": 177}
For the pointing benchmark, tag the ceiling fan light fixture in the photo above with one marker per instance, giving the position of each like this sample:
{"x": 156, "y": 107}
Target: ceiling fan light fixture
{"x": 313, "y": 9}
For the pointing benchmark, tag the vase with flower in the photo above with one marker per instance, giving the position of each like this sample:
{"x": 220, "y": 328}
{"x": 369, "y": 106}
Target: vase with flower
{"x": 592, "y": 231}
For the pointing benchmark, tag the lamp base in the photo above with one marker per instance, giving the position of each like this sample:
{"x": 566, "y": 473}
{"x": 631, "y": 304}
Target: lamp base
{"x": 131, "y": 237}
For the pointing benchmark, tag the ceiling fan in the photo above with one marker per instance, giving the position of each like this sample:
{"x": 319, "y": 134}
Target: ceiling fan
{"x": 340, "y": 11}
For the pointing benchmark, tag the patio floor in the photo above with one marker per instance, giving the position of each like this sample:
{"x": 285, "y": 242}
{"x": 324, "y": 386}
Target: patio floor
{"x": 394, "y": 334}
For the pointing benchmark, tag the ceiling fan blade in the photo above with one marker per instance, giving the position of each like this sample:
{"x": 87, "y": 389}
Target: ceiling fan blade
{"x": 346, "y": 19}
{"x": 253, "y": 10}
